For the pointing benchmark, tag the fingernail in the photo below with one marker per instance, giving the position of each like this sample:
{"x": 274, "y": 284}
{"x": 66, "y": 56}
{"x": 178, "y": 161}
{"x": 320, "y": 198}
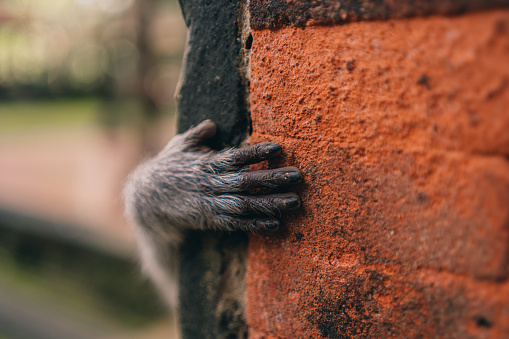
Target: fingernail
{"x": 272, "y": 224}
{"x": 274, "y": 148}
{"x": 293, "y": 176}
{"x": 292, "y": 202}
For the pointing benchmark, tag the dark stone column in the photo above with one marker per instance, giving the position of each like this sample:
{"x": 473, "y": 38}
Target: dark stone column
{"x": 214, "y": 85}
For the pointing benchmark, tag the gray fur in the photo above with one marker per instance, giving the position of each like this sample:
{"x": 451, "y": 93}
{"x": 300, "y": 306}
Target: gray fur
{"x": 189, "y": 186}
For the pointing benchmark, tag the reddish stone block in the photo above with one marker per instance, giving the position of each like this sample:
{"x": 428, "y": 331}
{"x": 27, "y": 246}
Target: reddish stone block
{"x": 400, "y": 129}
{"x": 352, "y": 298}
{"x": 443, "y": 210}
{"x": 418, "y": 84}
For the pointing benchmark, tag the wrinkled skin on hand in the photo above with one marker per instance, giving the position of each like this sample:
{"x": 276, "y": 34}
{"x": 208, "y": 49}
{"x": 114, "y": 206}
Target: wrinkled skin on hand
{"x": 190, "y": 186}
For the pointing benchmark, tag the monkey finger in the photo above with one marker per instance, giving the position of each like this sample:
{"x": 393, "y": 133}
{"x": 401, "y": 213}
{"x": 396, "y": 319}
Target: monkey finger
{"x": 271, "y": 204}
{"x": 255, "y": 153}
{"x": 196, "y": 135}
{"x": 229, "y": 223}
{"x": 268, "y": 178}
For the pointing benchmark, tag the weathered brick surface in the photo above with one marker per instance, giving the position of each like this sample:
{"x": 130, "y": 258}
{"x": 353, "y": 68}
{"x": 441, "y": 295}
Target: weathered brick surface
{"x": 422, "y": 83}
{"x": 438, "y": 209}
{"x": 281, "y": 13}
{"x": 357, "y": 298}
{"x": 401, "y": 131}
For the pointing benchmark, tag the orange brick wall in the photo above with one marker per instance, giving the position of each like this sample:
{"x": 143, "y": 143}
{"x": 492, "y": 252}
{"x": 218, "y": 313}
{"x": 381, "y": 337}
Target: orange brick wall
{"x": 401, "y": 129}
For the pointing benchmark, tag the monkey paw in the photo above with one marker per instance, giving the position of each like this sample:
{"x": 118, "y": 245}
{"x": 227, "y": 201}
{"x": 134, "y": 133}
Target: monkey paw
{"x": 188, "y": 185}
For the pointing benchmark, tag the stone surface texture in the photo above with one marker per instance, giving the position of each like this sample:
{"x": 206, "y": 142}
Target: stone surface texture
{"x": 401, "y": 129}
{"x": 281, "y": 13}
{"x": 214, "y": 85}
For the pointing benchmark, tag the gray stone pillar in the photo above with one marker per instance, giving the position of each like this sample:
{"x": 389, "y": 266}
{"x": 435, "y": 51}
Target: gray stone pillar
{"x": 214, "y": 85}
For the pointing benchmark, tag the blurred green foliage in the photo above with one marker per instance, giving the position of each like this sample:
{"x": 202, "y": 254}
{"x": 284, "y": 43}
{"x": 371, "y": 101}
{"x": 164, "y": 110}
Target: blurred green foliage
{"x": 51, "y": 48}
{"x": 16, "y": 116}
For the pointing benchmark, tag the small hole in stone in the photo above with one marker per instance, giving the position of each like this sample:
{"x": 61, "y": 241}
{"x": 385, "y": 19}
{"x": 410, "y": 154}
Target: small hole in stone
{"x": 350, "y": 65}
{"x": 249, "y": 41}
{"x": 424, "y": 81}
{"x": 422, "y": 197}
{"x": 482, "y": 322}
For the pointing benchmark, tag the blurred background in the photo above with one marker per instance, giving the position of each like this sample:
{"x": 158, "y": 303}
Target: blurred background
{"x": 86, "y": 91}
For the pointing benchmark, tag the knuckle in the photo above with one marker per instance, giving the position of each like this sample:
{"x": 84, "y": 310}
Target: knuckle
{"x": 242, "y": 179}
{"x": 244, "y": 205}
{"x": 271, "y": 175}
{"x": 257, "y": 148}
{"x": 237, "y": 154}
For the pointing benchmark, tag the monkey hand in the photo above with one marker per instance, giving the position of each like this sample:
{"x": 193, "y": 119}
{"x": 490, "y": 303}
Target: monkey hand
{"x": 188, "y": 185}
